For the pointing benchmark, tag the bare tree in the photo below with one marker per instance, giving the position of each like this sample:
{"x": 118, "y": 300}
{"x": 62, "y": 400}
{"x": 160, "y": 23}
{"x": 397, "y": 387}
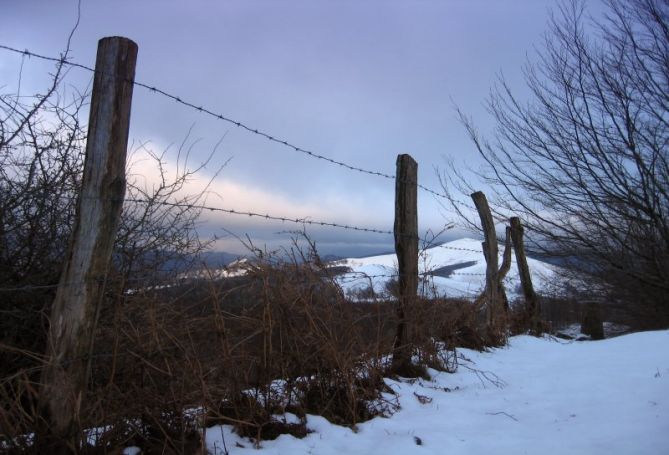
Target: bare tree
{"x": 41, "y": 156}
{"x": 158, "y": 233}
{"x": 584, "y": 161}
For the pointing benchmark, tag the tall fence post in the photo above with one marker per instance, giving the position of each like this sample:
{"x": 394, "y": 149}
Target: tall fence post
{"x": 406, "y": 247}
{"x": 531, "y": 300}
{"x": 80, "y": 292}
{"x": 490, "y": 252}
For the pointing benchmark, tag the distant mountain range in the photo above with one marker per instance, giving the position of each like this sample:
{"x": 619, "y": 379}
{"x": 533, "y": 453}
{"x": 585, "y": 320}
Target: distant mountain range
{"x": 452, "y": 269}
{"x": 219, "y": 259}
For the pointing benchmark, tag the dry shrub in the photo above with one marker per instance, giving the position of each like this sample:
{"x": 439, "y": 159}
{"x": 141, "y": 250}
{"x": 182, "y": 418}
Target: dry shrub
{"x": 520, "y": 321}
{"x": 456, "y": 322}
{"x": 220, "y": 347}
{"x": 254, "y": 420}
{"x": 308, "y": 335}
{"x": 171, "y": 359}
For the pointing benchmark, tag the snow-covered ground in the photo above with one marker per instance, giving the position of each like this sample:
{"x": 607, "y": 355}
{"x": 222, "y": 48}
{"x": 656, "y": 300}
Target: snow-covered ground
{"x": 465, "y": 268}
{"x": 536, "y": 396}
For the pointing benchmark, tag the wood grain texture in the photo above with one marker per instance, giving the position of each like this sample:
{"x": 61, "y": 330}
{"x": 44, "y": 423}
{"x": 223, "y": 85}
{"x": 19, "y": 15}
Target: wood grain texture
{"x": 76, "y": 306}
{"x": 531, "y": 300}
{"x": 406, "y": 247}
{"x": 490, "y": 251}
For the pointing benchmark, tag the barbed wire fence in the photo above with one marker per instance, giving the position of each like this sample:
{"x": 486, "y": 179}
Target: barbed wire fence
{"x": 109, "y": 284}
{"x": 220, "y": 116}
{"x": 304, "y": 221}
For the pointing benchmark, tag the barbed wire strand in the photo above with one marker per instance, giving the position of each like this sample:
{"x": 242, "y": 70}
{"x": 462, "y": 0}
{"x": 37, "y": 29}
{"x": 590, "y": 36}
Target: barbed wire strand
{"x": 225, "y": 118}
{"x": 457, "y": 248}
{"x": 304, "y": 220}
{"x": 241, "y": 213}
{"x": 265, "y": 216}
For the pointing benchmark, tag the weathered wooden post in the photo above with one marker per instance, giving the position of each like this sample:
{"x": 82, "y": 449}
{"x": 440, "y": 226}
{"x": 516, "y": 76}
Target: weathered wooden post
{"x": 406, "y": 247}
{"x": 79, "y": 295}
{"x": 531, "y": 300}
{"x": 490, "y": 252}
{"x": 504, "y": 268}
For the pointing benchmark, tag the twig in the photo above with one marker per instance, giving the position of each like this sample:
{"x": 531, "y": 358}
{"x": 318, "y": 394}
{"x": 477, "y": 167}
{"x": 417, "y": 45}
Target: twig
{"x": 502, "y": 413}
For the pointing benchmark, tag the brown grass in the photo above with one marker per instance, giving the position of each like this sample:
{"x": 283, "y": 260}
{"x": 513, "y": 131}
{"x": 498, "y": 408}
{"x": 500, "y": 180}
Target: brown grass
{"x": 241, "y": 351}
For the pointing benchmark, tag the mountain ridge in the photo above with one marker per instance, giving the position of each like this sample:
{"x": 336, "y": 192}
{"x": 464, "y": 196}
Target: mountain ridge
{"x": 454, "y": 269}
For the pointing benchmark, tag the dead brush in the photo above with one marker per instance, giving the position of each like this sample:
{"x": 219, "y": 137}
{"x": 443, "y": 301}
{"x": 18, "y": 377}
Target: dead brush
{"x": 316, "y": 341}
{"x": 149, "y": 389}
{"x": 453, "y": 322}
{"x": 221, "y": 347}
{"x": 255, "y": 420}
{"x": 173, "y": 359}
{"x": 520, "y": 320}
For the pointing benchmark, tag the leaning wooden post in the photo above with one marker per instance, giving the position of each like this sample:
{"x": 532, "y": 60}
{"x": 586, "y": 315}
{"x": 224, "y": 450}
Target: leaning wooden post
{"x": 504, "y": 268}
{"x": 531, "y": 300}
{"x": 490, "y": 252}
{"x": 406, "y": 247}
{"x": 80, "y": 292}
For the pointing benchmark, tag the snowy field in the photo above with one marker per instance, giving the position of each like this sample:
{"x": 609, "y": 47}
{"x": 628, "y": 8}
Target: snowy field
{"x": 536, "y": 396}
{"x": 465, "y": 265}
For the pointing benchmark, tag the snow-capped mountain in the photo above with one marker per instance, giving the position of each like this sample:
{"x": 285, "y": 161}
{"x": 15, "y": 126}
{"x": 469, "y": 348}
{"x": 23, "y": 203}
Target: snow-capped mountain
{"x": 453, "y": 269}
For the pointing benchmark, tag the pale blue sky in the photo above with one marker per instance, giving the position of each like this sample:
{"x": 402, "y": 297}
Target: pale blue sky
{"x": 358, "y": 81}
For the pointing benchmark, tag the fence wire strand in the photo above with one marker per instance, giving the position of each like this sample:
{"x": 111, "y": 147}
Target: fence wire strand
{"x": 265, "y": 216}
{"x": 219, "y": 116}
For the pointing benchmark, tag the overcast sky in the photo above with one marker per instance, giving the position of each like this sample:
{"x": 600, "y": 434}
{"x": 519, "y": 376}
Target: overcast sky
{"x": 359, "y": 81}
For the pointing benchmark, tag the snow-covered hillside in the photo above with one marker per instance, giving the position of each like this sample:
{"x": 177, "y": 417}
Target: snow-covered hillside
{"x": 536, "y": 396}
{"x": 460, "y": 264}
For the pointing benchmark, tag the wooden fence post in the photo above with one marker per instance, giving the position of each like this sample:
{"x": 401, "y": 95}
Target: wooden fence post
{"x": 531, "y": 300}
{"x": 406, "y": 247}
{"x": 490, "y": 252}
{"x": 80, "y": 292}
{"x": 504, "y": 268}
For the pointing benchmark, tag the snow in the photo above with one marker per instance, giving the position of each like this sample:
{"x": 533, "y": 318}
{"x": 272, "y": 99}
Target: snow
{"x": 467, "y": 280}
{"x": 239, "y": 267}
{"x": 536, "y": 396}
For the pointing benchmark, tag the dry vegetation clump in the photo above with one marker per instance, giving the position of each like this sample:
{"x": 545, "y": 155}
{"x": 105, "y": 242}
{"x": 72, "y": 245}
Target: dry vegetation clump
{"x": 444, "y": 324}
{"x": 174, "y": 357}
{"x": 171, "y": 359}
